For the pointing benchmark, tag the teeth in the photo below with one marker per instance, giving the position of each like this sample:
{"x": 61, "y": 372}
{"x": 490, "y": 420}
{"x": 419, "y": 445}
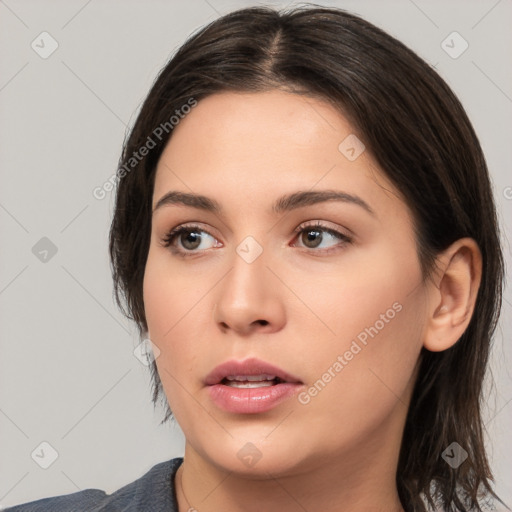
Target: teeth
{"x": 251, "y": 378}
{"x": 260, "y": 384}
{"x": 251, "y": 381}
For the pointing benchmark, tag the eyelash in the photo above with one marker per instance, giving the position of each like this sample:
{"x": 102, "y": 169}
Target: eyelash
{"x": 171, "y": 236}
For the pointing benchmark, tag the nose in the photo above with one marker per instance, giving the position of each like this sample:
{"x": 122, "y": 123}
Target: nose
{"x": 249, "y": 299}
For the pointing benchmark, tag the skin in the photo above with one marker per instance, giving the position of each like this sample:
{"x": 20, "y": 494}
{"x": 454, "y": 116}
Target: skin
{"x": 296, "y": 306}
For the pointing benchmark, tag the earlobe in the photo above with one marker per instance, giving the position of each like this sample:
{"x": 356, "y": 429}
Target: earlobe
{"x": 453, "y": 293}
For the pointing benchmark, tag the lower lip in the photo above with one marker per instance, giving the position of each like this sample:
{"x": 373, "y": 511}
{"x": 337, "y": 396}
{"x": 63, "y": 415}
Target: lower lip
{"x": 251, "y": 400}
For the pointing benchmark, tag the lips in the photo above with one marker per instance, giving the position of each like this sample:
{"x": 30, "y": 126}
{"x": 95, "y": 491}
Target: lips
{"x": 250, "y": 370}
{"x": 250, "y": 386}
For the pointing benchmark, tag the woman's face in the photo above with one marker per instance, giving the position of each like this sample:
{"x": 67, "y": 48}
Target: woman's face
{"x": 328, "y": 292}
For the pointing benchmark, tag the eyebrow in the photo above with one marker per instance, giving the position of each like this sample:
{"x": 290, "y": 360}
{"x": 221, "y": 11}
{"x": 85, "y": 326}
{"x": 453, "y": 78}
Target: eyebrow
{"x": 283, "y": 204}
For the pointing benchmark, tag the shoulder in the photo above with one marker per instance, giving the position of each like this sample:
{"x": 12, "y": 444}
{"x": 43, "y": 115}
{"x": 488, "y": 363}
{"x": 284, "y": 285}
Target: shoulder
{"x": 153, "y": 491}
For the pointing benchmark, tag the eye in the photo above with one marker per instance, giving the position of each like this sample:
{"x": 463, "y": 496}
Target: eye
{"x": 313, "y": 235}
{"x": 188, "y": 240}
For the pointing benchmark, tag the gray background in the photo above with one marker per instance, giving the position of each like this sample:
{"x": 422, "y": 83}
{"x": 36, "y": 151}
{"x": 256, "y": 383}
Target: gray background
{"x": 68, "y": 375}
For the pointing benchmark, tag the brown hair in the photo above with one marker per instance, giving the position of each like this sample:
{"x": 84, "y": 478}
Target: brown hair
{"x": 418, "y": 133}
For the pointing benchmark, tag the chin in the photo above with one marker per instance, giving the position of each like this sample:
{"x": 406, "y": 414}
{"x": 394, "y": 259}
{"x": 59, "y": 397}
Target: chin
{"x": 256, "y": 460}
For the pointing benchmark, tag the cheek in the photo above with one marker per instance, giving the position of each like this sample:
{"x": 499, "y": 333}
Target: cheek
{"x": 176, "y": 324}
{"x": 170, "y": 296}
{"x": 360, "y": 295}
{"x": 373, "y": 380}
{"x": 358, "y": 377}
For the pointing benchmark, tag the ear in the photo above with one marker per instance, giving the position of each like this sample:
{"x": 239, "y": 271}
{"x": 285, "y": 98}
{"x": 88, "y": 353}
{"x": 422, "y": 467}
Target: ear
{"x": 453, "y": 293}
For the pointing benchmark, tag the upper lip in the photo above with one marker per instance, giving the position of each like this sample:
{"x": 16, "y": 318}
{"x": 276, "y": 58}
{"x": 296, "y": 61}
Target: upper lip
{"x": 248, "y": 367}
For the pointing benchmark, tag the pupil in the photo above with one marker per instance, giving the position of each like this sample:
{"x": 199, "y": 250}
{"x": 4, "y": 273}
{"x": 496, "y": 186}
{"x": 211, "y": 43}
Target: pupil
{"x": 313, "y": 236}
{"x": 193, "y": 238}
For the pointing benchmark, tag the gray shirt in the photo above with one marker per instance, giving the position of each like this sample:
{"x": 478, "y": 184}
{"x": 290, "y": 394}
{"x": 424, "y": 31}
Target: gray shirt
{"x": 152, "y": 492}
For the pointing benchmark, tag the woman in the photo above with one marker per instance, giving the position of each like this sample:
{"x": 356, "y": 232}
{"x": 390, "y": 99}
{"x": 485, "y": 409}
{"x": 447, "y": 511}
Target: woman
{"x": 304, "y": 229}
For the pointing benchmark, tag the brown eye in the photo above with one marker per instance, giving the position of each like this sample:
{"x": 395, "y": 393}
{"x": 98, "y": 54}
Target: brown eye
{"x": 187, "y": 240}
{"x": 312, "y": 238}
{"x": 190, "y": 240}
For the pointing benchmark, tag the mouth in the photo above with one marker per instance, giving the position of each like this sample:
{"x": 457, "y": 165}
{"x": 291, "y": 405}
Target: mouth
{"x": 250, "y": 386}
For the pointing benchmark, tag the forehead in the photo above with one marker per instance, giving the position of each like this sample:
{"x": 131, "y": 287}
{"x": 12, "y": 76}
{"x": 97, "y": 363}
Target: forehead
{"x": 257, "y": 126}
{"x": 240, "y": 146}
